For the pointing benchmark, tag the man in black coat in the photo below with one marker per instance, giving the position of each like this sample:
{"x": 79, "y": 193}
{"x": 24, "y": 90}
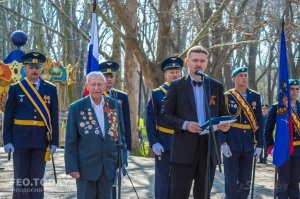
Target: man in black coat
{"x": 185, "y": 111}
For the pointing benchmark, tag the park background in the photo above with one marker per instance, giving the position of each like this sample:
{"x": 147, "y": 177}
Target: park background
{"x": 139, "y": 34}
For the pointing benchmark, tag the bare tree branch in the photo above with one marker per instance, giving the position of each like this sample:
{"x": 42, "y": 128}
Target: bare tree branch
{"x": 31, "y": 20}
{"x": 206, "y": 26}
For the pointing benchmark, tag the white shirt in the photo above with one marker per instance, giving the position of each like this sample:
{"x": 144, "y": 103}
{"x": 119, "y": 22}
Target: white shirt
{"x": 199, "y": 101}
{"x": 37, "y": 83}
{"x": 200, "y": 106}
{"x": 99, "y": 110}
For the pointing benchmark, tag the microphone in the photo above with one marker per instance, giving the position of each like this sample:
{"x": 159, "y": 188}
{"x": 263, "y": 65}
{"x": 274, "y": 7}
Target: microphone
{"x": 200, "y": 73}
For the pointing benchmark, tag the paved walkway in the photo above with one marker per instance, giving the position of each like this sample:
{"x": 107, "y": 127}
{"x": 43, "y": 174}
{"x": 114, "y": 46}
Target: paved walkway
{"x": 141, "y": 172}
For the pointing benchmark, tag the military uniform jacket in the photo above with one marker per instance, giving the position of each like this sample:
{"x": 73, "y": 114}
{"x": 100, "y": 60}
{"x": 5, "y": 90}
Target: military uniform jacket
{"x": 180, "y": 106}
{"x": 86, "y": 150}
{"x": 269, "y": 129}
{"x": 122, "y": 98}
{"x": 243, "y": 139}
{"x": 153, "y": 111}
{"x": 18, "y": 106}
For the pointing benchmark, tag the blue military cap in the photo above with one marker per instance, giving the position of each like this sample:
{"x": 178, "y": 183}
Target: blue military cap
{"x": 109, "y": 67}
{"x": 171, "y": 63}
{"x": 239, "y": 70}
{"x": 294, "y": 82}
{"x": 34, "y": 59}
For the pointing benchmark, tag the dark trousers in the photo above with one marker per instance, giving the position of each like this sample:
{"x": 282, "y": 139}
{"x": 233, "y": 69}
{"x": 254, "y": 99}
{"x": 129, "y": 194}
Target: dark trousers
{"x": 288, "y": 179}
{"x": 100, "y": 189}
{"x": 162, "y": 176}
{"x": 182, "y": 175}
{"x": 29, "y": 170}
{"x": 237, "y": 171}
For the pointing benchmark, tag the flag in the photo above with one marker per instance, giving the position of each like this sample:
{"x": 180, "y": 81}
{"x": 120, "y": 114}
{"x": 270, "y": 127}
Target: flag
{"x": 283, "y": 145}
{"x": 92, "y": 63}
{"x": 93, "y": 54}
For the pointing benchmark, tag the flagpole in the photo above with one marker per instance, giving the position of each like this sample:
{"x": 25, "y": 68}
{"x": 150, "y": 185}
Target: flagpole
{"x": 94, "y": 5}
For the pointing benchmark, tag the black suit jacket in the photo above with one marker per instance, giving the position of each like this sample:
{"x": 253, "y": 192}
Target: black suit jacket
{"x": 180, "y": 106}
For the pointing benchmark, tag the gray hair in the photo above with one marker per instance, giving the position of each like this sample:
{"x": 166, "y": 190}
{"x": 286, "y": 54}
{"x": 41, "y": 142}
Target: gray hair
{"x": 95, "y": 74}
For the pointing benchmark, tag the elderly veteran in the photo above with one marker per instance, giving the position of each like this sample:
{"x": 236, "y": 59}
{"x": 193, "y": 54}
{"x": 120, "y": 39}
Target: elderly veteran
{"x": 93, "y": 134}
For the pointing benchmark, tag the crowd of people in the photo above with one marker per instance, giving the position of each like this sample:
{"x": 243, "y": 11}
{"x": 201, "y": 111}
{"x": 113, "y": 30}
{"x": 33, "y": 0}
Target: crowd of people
{"x": 98, "y": 133}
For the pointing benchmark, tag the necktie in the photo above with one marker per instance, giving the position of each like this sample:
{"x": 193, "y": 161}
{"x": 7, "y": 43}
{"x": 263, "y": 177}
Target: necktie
{"x": 195, "y": 83}
{"x": 35, "y": 86}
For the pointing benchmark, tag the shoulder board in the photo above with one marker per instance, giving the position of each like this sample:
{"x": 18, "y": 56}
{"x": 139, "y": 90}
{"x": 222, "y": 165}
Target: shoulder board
{"x": 253, "y": 91}
{"x": 13, "y": 84}
{"x": 49, "y": 83}
{"x": 228, "y": 92}
{"x": 119, "y": 91}
{"x": 156, "y": 89}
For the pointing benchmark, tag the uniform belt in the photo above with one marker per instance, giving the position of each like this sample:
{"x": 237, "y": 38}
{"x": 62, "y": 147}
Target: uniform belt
{"x": 296, "y": 143}
{"x": 241, "y": 126}
{"x": 29, "y": 122}
{"x": 164, "y": 130}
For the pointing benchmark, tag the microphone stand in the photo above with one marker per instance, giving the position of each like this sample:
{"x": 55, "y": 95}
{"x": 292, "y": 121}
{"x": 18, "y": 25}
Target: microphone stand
{"x": 211, "y": 135}
{"x": 119, "y": 147}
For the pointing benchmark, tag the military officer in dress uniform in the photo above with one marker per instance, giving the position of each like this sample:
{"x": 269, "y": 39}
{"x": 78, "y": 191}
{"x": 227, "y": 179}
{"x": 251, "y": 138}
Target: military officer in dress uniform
{"x": 109, "y": 69}
{"x": 31, "y": 127}
{"x": 159, "y": 136}
{"x": 289, "y": 173}
{"x": 244, "y": 139}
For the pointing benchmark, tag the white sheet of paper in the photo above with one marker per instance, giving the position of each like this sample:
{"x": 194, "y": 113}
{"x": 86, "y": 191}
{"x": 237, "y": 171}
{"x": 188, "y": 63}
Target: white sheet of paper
{"x": 227, "y": 121}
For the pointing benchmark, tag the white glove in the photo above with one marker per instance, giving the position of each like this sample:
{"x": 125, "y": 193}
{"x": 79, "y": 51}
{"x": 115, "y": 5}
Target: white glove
{"x": 53, "y": 149}
{"x": 157, "y": 149}
{"x": 8, "y": 147}
{"x": 257, "y": 152}
{"x": 226, "y": 150}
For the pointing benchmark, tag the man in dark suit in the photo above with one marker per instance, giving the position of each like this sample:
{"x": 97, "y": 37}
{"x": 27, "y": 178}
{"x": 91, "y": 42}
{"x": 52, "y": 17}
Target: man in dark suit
{"x": 244, "y": 139}
{"x": 31, "y": 127}
{"x": 94, "y": 128}
{"x": 159, "y": 136}
{"x": 185, "y": 111}
{"x": 287, "y": 185}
